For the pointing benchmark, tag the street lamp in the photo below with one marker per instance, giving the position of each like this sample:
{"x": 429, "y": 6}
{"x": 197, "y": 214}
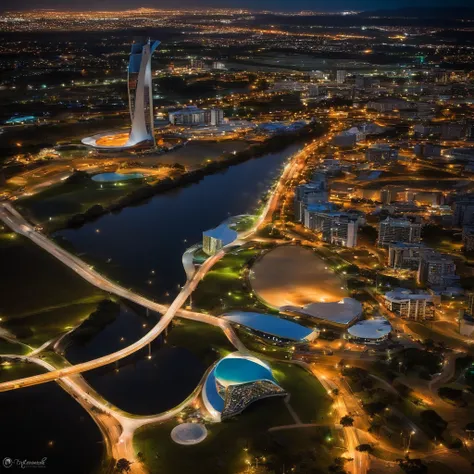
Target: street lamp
{"x": 409, "y": 440}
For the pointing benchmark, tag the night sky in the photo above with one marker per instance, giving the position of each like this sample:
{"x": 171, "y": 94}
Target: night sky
{"x": 317, "y": 5}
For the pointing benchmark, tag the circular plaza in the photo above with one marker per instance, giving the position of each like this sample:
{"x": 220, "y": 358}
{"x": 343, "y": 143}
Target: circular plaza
{"x": 188, "y": 434}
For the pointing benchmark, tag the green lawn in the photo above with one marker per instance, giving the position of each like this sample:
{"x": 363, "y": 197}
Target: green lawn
{"x": 41, "y": 297}
{"x": 7, "y": 347}
{"x": 230, "y": 443}
{"x": 206, "y": 342}
{"x": 61, "y": 201}
{"x": 308, "y": 398}
{"x": 224, "y": 288}
{"x": 18, "y": 370}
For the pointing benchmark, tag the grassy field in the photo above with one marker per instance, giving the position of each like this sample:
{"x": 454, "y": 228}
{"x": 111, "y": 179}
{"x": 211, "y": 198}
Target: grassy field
{"x": 17, "y": 370}
{"x": 54, "y": 206}
{"x": 246, "y": 437}
{"x": 230, "y": 445}
{"x": 41, "y": 297}
{"x": 308, "y": 398}
{"x": 206, "y": 342}
{"x": 224, "y": 288}
{"x": 7, "y": 347}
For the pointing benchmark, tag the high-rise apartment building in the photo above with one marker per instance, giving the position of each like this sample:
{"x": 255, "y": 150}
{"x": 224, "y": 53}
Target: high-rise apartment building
{"x": 398, "y": 230}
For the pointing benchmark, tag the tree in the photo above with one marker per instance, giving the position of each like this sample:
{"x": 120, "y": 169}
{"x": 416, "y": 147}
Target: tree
{"x": 347, "y": 421}
{"x": 123, "y": 465}
{"x": 364, "y": 448}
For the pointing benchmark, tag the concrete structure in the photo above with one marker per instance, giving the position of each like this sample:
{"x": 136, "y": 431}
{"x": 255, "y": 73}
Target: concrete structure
{"x": 343, "y": 312}
{"x": 404, "y": 255}
{"x": 468, "y": 238}
{"x": 381, "y": 153}
{"x": 341, "y": 76}
{"x": 398, "y": 230}
{"x": 234, "y": 383}
{"x": 340, "y": 229}
{"x": 437, "y": 270}
{"x": 192, "y": 116}
{"x": 409, "y": 305}
{"x": 214, "y": 239}
{"x": 140, "y": 97}
{"x": 387, "y": 104}
{"x": 140, "y": 92}
{"x": 370, "y": 331}
{"x": 463, "y": 211}
{"x": 189, "y": 434}
{"x": 273, "y": 328}
{"x": 466, "y": 324}
{"x": 309, "y": 193}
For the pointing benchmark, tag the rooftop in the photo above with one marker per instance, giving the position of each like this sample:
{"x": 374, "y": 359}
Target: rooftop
{"x": 222, "y": 232}
{"x": 340, "y": 312}
{"x": 375, "y": 328}
{"x": 272, "y": 325}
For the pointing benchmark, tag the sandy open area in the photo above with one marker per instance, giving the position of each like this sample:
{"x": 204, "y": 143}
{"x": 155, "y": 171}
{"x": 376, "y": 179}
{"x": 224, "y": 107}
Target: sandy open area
{"x": 292, "y": 275}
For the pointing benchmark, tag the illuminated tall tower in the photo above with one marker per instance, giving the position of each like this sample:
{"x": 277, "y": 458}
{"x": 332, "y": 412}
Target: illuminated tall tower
{"x": 140, "y": 93}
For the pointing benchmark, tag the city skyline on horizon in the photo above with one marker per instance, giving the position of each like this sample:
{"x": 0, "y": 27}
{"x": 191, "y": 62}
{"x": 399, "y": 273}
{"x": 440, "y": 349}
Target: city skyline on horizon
{"x": 277, "y": 5}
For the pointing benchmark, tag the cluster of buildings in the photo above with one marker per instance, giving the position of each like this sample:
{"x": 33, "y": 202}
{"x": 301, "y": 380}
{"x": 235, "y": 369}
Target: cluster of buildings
{"x": 194, "y": 116}
{"x": 316, "y": 213}
{"x": 402, "y": 238}
{"x": 348, "y": 138}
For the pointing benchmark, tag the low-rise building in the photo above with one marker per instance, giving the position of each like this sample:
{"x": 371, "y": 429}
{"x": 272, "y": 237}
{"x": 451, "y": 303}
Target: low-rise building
{"x": 213, "y": 240}
{"x": 381, "y": 153}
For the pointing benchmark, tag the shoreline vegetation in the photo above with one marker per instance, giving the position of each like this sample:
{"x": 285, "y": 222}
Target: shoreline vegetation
{"x": 147, "y": 191}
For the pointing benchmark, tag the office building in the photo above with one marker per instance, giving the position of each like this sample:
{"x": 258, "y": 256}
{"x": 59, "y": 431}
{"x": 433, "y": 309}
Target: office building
{"x": 468, "y": 238}
{"x": 193, "y": 116}
{"x": 403, "y": 255}
{"x": 409, "y": 305}
{"x": 341, "y": 75}
{"x": 463, "y": 211}
{"x": 339, "y": 228}
{"x": 437, "y": 270}
{"x": 381, "y": 153}
{"x": 309, "y": 193}
{"x": 398, "y": 230}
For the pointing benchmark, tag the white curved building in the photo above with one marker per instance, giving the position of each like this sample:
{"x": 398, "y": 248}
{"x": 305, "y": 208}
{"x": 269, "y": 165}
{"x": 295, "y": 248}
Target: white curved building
{"x": 140, "y": 97}
{"x": 370, "y": 331}
{"x": 140, "y": 92}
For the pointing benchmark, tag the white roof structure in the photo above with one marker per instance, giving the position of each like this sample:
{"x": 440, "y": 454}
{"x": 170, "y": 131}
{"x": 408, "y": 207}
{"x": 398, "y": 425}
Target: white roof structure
{"x": 222, "y": 233}
{"x": 340, "y": 312}
{"x": 371, "y": 329}
{"x": 403, "y": 294}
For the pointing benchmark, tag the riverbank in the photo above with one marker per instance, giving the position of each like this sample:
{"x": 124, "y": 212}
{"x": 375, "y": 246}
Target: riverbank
{"x": 147, "y": 191}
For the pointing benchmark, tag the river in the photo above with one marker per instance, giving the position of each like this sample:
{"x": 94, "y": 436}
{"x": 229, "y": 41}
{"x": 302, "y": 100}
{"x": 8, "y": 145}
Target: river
{"x": 141, "y": 246}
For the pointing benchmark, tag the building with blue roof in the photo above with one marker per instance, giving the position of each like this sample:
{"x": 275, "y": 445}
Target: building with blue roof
{"x": 273, "y": 328}
{"x": 214, "y": 239}
{"x": 234, "y": 383}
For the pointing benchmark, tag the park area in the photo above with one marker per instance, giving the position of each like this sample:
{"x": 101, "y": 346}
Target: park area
{"x": 252, "y": 438}
{"x": 41, "y": 297}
